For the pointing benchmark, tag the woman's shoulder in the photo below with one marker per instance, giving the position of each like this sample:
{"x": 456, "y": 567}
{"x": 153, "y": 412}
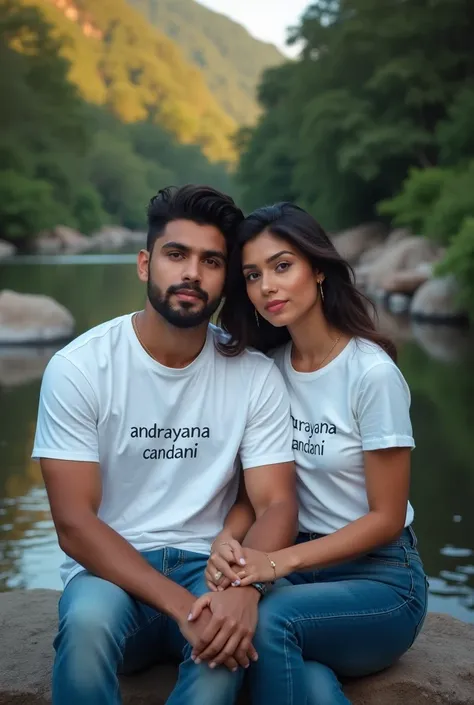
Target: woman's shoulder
{"x": 367, "y": 354}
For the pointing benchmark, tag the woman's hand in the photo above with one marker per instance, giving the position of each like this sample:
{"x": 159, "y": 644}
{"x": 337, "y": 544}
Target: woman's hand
{"x": 259, "y": 568}
{"x": 226, "y": 557}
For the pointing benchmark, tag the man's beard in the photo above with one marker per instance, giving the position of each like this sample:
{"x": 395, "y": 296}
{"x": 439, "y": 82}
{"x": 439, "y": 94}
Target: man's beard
{"x": 181, "y": 316}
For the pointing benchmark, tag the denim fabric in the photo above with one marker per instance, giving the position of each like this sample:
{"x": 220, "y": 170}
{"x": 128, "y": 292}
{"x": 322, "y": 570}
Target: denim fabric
{"x": 349, "y": 620}
{"x": 102, "y": 631}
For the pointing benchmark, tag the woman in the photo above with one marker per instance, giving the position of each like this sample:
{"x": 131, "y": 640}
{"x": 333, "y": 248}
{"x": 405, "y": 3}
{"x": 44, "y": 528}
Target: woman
{"x": 358, "y": 592}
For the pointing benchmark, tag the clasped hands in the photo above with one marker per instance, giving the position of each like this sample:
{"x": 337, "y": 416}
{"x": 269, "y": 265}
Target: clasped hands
{"x": 221, "y": 623}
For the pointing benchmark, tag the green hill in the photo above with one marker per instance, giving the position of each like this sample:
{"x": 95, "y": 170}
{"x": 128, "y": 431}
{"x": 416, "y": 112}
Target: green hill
{"x": 231, "y": 60}
{"x": 120, "y": 61}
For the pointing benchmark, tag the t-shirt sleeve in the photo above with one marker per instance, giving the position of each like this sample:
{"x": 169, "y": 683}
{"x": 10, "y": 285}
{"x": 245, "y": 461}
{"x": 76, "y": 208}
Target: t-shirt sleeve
{"x": 268, "y": 435}
{"x": 383, "y": 409}
{"x": 66, "y": 427}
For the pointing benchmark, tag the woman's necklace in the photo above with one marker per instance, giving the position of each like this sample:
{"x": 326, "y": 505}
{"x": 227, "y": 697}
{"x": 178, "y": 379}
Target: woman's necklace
{"x": 319, "y": 365}
{"x": 135, "y": 328}
{"x": 332, "y": 348}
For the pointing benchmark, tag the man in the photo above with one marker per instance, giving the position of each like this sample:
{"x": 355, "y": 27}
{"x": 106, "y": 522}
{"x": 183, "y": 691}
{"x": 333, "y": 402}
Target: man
{"x": 141, "y": 422}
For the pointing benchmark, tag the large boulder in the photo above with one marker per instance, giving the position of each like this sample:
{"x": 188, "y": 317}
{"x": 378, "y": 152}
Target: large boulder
{"x": 353, "y": 243}
{"x": 62, "y": 239}
{"x": 437, "y": 301}
{"x": 408, "y": 254}
{"x": 407, "y": 282}
{"x": 6, "y": 249}
{"x": 438, "y": 669}
{"x": 33, "y": 318}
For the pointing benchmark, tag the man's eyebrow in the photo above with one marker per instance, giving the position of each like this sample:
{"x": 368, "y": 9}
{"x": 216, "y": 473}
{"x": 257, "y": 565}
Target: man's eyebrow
{"x": 184, "y": 248}
{"x": 215, "y": 253}
{"x": 270, "y": 259}
{"x": 175, "y": 246}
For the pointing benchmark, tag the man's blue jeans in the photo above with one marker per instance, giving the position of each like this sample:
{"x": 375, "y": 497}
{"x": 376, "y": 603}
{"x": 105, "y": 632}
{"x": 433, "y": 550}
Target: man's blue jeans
{"x": 349, "y": 620}
{"x": 102, "y": 631}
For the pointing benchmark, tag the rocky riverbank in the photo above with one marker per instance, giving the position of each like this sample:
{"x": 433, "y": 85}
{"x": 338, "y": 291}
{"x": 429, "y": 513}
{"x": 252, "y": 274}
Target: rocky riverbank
{"x": 438, "y": 669}
{"x": 398, "y": 269}
{"x": 65, "y": 240}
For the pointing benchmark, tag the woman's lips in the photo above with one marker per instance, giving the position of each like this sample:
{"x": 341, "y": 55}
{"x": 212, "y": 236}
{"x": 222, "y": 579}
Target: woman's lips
{"x": 275, "y": 306}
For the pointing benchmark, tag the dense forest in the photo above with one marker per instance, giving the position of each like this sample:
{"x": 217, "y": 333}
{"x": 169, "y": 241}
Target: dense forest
{"x": 231, "y": 61}
{"x": 375, "y": 120}
{"x": 66, "y": 160}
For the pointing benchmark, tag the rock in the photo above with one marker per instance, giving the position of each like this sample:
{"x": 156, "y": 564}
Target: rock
{"x": 394, "y": 237}
{"x": 407, "y": 282}
{"x": 438, "y": 669}
{"x": 112, "y": 237}
{"x": 351, "y": 244}
{"x": 437, "y": 301}
{"x": 20, "y": 365}
{"x": 408, "y": 254}
{"x": 62, "y": 239}
{"x": 6, "y": 249}
{"x": 446, "y": 343}
{"x": 398, "y": 303}
{"x": 32, "y": 318}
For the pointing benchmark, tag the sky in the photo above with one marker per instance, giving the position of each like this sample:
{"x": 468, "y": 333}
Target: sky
{"x": 264, "y": 19}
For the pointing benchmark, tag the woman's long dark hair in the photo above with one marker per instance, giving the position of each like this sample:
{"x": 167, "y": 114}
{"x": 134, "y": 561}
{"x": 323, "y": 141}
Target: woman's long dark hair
{"x": 345, "y": 308}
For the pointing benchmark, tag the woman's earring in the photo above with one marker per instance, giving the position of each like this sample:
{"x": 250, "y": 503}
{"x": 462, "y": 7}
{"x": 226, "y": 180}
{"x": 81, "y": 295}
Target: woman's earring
{"x": 256, "y": 318}
{"x": 321, "y": 290}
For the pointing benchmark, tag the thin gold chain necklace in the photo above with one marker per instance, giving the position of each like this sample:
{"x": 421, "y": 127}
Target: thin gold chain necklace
{"x": 135, "y": 328}
{"x": 318, "y": 366}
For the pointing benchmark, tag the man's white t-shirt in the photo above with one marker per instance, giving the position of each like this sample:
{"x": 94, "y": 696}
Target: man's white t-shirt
{"x": 358, "y": 402}
{"x": 167, "y": 440}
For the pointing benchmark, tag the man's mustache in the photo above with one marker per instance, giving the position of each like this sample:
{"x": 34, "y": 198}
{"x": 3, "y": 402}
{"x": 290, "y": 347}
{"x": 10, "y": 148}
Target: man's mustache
{"x": 179, "y": 288}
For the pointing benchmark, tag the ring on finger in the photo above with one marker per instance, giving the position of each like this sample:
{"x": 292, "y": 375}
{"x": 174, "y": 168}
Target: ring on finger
{"x": 217, "y": 576}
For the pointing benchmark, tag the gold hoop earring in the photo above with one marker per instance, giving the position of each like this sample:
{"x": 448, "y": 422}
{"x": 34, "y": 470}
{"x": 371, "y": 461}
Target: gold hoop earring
{"x": 257, "y": 318}
{"x": 321, "y": 290}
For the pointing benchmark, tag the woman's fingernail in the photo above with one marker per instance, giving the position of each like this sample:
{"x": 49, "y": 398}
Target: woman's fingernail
{"x": 197, "y": 661}
{"x": 212, "y": 665}
{"x": 255, "y": 657}
{"x": 236, "y": 583}
{"x": 247, "y": 665}
{"x": 242, "y": 561}
{"x": 234, "y": 669}
{"x": 190, "y": 616}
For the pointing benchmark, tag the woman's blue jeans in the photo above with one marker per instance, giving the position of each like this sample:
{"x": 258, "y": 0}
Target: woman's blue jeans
{"x": 350, "y": 620}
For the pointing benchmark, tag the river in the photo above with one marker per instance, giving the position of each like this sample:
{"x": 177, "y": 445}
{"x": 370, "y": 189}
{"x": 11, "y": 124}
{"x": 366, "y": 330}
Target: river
{"x": 438, "y": 364}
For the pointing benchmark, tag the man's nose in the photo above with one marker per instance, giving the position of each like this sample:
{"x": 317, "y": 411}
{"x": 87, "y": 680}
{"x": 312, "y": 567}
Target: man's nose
{"x": 192, "y": 270}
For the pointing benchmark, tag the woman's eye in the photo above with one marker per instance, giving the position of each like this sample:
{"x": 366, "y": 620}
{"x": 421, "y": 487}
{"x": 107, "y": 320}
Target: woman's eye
{"x": 282, "y": 266}
{"x": 252, "y": 276}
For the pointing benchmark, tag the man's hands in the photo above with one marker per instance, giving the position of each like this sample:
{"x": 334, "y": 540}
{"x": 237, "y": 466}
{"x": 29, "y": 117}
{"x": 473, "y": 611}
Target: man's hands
{"x": 226, "y": 637}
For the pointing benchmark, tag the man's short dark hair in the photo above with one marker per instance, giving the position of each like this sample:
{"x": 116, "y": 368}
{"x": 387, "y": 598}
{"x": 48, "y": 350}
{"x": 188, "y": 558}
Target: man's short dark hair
{"x": 200, "y": 204}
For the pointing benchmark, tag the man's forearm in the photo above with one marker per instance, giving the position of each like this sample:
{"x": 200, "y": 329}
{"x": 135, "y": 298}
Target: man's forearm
{"x": 103, "y": 552}
{"x": 274, "y": 528}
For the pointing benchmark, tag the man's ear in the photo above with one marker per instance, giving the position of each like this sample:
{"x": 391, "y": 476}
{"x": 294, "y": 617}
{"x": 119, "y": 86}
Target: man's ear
{"x": 143, "y": 264}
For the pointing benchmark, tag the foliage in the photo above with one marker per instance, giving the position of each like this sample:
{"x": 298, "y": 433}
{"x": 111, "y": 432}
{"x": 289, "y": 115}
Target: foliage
{"x": 369, "y": 99}
{"x": 65, "y": 161}
{"x": 230, "y": 59}
{"x": 120, "y": 61}
{"x": 459, "y": 261}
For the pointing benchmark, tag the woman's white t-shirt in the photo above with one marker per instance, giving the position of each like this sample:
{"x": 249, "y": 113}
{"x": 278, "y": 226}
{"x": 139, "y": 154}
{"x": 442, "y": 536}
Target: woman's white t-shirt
{"x": 358, "y": 402}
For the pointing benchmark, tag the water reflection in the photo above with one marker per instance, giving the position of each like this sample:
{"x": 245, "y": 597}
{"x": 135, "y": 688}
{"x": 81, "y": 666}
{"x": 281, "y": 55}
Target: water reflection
{"x": 437, "y": 362}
